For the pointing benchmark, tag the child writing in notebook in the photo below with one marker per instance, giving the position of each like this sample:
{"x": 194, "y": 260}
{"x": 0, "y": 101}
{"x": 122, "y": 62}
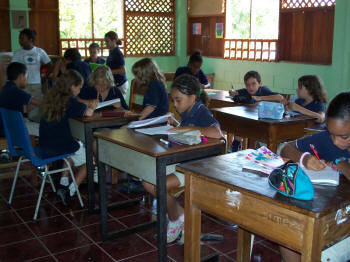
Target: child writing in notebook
{"x": 102, "y": 80}
{"x": 312, "y": 97}
{"x": 189, "y": 100}
{"x": 332, "y": 145}
{"x": 155, "y": 101}
{"x": 55, "y": 137}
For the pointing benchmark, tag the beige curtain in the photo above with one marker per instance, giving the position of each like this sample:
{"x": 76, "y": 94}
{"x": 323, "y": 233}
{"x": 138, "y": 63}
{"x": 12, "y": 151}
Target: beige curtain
{"x": 206, "y": 7}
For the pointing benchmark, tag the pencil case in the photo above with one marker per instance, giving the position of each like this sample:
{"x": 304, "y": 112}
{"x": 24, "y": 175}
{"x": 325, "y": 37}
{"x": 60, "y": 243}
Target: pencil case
{"x": 112, "y": 113}
{"x": 291, "y": 181}
{"x": 189, "y": 138}
{"x": 270, "y": 110}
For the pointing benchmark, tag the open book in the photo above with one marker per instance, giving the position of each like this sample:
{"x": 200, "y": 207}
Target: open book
{"x": 158, "y": 130}
{"x": 108, "y": 103}
{"x": 326, "y": 176}
{"x": 150, "y": 121}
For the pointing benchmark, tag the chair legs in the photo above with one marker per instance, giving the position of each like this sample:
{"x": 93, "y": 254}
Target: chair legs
{"x": 74, "y": 183}
{"x": 15, "y": 179}
{"x": 40, "y": 194}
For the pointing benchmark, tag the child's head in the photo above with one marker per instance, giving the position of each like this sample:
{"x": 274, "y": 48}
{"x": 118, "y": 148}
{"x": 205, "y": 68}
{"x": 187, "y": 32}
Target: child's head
{"x": 252, "y": 81}
{"x": 311, "y": 85}
{"x": 112, "y": 40}
{"x": 338, "y": 120}
{"x": 195, "y": 62}
{"x": 26, "y": 38}
{"x": 56, "y": 100}
{"x": 17, "y": 72}
{"x": 102, "y": 78}
{"x": 186, "y": 91}
{"x": 71, "y": 54}
{"x": 94, "y": 49}
{"x": 146, "y": 70}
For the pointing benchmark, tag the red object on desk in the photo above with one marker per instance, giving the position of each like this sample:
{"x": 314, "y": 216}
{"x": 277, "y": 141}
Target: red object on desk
{"x": 204, "y": 139}
{"x": 314, "y": 151}
{"x": 112, "y": 113}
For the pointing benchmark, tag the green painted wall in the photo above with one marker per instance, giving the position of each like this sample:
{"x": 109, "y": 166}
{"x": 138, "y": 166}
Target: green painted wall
{"x": 19, "y": 5}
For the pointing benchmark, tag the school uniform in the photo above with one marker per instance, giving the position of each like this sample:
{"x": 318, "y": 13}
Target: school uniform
{"x": 314, "y": 106}
{"x": 262, "y": 91}
{"x": 115, "y": 60}
{"x": 14, "y": 98}
{"x": 157, "y": 97}
{"x": 87, "y": 92}
{"x": 115, "y": 93}
{"x": 199, "y": 115}
{"x": 55, "y": 138}
{"x": 99, "y": 61}
{"x": 199, "y": 75}
{"x": 323, "y": 144}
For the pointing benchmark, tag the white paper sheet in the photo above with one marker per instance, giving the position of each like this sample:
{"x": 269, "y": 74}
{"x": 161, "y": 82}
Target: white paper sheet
{"x": 107, "y": 103}
{"x": 159, "y": 130}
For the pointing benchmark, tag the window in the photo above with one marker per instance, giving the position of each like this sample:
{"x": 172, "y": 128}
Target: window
{"x": 251, "y": 29}
{"x": 149, "y": 25}
{"x": 85, "y": 21}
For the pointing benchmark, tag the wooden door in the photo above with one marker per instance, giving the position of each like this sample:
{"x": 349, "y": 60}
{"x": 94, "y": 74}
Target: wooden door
{"x": 5, "y": 34}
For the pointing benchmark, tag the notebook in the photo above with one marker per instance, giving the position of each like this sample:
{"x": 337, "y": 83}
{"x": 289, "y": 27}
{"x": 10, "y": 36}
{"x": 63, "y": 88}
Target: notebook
{"x": 327, "y": 176}
{"x": 107, "y": 103}
{"x": 150, "y": 121}
{"x": 265, "y": 159}
{"x": 158, "y": 130}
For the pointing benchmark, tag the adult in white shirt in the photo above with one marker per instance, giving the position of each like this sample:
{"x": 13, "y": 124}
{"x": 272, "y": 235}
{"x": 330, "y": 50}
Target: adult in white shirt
{"x": 33, "y": 57}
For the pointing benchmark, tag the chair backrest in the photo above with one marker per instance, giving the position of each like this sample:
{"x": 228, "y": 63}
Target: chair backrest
{"x": 16, "y": 133}
{"x": 137, "y": 93}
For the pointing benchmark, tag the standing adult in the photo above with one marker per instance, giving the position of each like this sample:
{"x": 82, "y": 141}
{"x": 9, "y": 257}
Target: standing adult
{"x": 116, "y": 61}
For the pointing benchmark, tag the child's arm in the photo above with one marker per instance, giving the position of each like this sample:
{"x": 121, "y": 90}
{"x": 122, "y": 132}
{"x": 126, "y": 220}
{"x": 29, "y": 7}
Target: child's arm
{"x": 344, "y": 167}
{"x": 291, "y": 152}
{"x": 211, "y": 131}
{"x": 295, "y": 107}
{"x": 272, "y": 98}
{"x": 146, "y": 112}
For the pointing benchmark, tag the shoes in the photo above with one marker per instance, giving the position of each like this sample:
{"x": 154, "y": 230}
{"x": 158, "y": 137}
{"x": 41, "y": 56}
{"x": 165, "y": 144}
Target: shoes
{"x": 64, "y": 194}
{"x": 235, "y": 146}
{"x": 175, "y": 228}
{"x": 133, "y": 186}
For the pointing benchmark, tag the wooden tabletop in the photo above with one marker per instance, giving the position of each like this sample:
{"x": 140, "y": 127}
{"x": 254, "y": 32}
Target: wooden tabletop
{"x": 251, "y": 112}
{"x": 149, "y": 145}
{"x": 97, "y": 116}
{"x": 221, "y": 98}
{"x": 227, "y": 170}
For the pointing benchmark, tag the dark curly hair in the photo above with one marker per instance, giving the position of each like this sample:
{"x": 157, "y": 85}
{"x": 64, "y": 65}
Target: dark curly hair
{"x": 314, "y": 86}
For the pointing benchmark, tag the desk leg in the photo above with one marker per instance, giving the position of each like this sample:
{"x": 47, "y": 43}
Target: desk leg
{"x": 312, "y": 248}
{"x": 243, "y": 245}
{"x": 161, "y": 210}
{"x": 90, "y": 168}
{"x": 192, "y": 225}
{"x": 103, "y": 200}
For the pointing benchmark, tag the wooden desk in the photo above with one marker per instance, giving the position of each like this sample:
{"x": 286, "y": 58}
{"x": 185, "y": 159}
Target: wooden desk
{"x": 221, "y": 99}
{"x": 243, "y": 121}
{"x": 217, "y": 186}
{"x": 145, "y": 157}
{"x": 82, "y": 128}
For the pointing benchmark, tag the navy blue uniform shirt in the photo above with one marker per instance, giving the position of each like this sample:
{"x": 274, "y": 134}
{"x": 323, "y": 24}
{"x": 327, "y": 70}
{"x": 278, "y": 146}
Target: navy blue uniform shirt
{"x": 84, "y": 69}
{"x": 14, "y": 98}
{"x": 314, "y": 106}
{"x": 199, "y": 75}
{"x": 262, "y": 91}
{"x": 323, "y": 145}
{"x": 116, "y": 60}
{"x": 157, "y": 97}
{"x": 115, "y": 93}
{"x": 199, "y": 115}
{"x": 99, "y": 61}
{"x": 55, "y": 138}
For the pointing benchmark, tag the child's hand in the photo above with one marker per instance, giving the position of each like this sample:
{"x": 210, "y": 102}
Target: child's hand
{"x": 171, "y": 122}
{"x": 233, "y": 93}
{"x": 311, "y": 162}
{"x": 117, "y": 105}
{"x": 180, "y": 129}
{"x": 93, "y": 104}
{"x": 257, "y": 98}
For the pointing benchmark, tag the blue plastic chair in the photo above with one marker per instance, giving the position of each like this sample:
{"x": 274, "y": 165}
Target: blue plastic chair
{"x": 19, "y": 145}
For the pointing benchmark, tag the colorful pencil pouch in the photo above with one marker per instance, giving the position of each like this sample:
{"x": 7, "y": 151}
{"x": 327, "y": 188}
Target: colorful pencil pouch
{"x": 270, "y": 110}
{"x": 290, "y": 180}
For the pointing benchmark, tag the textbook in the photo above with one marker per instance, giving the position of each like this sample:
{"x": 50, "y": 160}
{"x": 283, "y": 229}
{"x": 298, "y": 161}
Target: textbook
{"x": 108, "y": 103}
{"x": 326, "y": 176}
{"x": 150, "y": 121}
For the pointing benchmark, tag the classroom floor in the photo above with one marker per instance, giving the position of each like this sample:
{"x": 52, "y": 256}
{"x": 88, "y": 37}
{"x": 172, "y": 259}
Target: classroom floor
{"x": 70, "y": 234}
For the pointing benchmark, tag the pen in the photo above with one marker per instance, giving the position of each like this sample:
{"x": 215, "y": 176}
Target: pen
{"x": 177, "y": 122}
{"x": 165, "y": 142}
{"x": 314, "y": 151}
{"x": 174, "y": 142}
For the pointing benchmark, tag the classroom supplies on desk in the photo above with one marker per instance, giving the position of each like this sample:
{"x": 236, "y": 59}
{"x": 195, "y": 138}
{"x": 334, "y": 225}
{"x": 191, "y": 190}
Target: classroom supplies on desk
{"x": 150, "y": 121}
{"x": 108, "y": 103}
{"x": 244, "y": 99}
{"x": 165, "y": 142}
{"x": 327, "y": 176}
{"x": 112, "y": 113}
{"x": 264, "y": 160}
{"x": 192, "y": 137}
{"x": 270, "y": 110}
{"x": 291, "y": 113}
{"x": 290, "y": 180}
{"x": 158, "y": 130}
